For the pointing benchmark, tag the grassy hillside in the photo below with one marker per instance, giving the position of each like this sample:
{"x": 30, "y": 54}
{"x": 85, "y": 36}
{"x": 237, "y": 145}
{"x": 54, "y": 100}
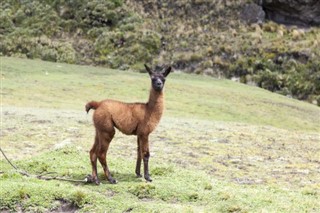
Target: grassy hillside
{"x": 57, "y": 85}
{"x": 221, "y": 146}
{"x": 202, "y": 37}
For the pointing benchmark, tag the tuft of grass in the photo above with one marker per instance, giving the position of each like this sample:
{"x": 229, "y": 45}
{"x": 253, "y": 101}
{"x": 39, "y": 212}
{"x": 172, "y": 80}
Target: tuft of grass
{"x": 161, "y": 171}
{"x": 143, "y": 190}
{"x": 78, "y": 198}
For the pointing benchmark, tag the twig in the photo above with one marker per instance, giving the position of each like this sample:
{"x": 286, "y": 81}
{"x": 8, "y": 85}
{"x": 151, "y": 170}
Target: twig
{"x": 8, "y": 159}
{"x": 21, "y": 172}
{"x": 86, "y": 180}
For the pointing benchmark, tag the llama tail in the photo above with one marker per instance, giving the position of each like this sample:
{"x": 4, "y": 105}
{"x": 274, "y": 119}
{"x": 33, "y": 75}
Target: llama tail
{"x": 92, "y": 105}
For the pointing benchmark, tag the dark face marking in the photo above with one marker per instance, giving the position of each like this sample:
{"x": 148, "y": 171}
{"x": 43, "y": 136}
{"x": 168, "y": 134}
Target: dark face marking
{"x": 158, "y": 77}
{"x": 157, "y": 82}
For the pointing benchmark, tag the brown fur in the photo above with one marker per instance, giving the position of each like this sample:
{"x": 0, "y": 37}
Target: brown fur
{"x": 92, "y": 105}
{"x": 131, "y": 119}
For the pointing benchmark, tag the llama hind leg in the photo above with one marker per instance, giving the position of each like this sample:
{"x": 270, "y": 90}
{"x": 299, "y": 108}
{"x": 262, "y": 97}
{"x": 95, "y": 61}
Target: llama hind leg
{"x": 93, "y": 159}
{"x": 105, "y": 139}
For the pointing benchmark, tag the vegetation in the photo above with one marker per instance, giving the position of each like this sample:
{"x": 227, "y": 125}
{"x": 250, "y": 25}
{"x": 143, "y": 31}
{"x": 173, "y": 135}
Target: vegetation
{"x": 203, "y": 37}
{"x": 95, "y": 32}
{"x": 235, "y": 148}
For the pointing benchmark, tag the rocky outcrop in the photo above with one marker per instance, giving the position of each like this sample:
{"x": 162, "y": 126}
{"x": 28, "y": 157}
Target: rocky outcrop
{"x": 292, "y": 12}
{"x": 252, "y": 13}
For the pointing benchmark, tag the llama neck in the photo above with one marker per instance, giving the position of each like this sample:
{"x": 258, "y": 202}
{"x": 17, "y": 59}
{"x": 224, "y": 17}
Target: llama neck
{"x": 155, "y": 103}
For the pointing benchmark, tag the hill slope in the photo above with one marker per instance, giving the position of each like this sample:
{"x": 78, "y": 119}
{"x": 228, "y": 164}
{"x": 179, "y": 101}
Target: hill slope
{"x": 188, "y": 96}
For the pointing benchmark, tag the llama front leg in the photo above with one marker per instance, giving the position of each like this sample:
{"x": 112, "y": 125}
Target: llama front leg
{"x": 138, "y": 164}
{"x": 145, "y": 155}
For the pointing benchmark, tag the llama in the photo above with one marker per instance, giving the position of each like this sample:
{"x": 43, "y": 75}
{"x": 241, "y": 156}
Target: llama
{"x": 131, "y": 119}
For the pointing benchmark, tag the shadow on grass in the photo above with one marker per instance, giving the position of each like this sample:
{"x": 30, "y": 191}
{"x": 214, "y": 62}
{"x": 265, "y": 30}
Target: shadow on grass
{"x": 120, "y": 177}
{"x": 126, "y": 177}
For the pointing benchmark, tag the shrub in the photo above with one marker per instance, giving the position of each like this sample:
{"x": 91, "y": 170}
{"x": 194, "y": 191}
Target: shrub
{"x": 268, "y": 80}
{"x": 66, "y": 53}
{"x": 48, "y": 54}
{"x": 6, "y": 24}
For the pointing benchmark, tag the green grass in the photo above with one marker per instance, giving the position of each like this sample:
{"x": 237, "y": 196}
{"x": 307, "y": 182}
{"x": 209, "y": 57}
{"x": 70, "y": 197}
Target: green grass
{"x": 173, "y": 191}
{"x": 54, "y": 85}
{"x": 220, "y": 147}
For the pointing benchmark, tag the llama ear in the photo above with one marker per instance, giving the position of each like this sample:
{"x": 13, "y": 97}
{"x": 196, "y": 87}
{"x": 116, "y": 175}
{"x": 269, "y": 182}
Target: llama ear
{"x": 148, "y": 69}
{"x": 167, "y": 71}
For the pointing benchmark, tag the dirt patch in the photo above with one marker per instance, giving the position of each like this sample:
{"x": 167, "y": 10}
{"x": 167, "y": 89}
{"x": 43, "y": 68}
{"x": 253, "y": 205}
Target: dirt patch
{"x": 41, "y": 121}
{"x": 65, "y": 206}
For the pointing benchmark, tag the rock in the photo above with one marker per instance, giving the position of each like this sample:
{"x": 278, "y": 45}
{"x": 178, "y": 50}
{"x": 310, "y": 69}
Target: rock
{"x": 292, "y": 12}
{"x": 252, "y": 13}
{"x": 208, "y": 71}
{"x": 220, "y": 140}
{"x": 235, "y": 161}
{"x": 63, "y": 143}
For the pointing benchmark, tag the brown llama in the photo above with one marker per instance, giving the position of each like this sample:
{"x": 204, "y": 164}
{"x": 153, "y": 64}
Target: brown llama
{"x": 131, "y": 119}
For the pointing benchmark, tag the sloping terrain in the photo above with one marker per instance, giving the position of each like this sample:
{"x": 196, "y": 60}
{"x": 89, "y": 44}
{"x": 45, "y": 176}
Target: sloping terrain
{"x": 221, "y": 146}
{"x": 202, "y": 37}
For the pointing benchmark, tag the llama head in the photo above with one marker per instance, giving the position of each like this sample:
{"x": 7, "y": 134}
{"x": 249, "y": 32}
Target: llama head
{"x": 158, "y": 76}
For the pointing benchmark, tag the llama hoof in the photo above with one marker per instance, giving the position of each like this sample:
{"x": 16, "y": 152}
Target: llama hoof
{"x": 148, "y": 179}
{"x": 113, "y": 181}
{"x": 91, "y": 179}
{"x": 97, "y": 181}
{"x": 139, "y": 175}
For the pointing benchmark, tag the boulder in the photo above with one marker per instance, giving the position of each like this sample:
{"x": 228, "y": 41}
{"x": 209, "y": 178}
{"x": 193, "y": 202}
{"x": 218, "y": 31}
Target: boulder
{"x": 252, "y": 13}
{"x": 292, "y": 12}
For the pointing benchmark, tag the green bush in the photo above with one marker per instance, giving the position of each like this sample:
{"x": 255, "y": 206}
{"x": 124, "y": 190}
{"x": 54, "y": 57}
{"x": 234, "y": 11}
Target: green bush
{"x": 268, "y": 80}
{"x": 285, "y": 75}
{"x": 48, "y": 54}
{"x": 66, "y": 53}
{"x": 39, "y": 29}
{"x": 6, "y": 24}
